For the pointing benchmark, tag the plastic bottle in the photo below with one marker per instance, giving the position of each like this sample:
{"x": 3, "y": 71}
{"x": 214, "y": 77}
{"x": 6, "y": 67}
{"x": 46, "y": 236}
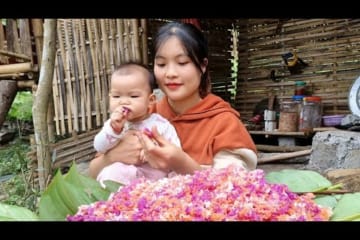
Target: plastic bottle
{"x": 300, "y": 87}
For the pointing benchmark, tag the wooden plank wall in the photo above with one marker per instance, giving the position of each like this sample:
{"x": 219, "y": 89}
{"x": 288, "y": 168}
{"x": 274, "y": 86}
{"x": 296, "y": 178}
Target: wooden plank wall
{"x": 331, "y": 47}
{"x": 88, "y": 51}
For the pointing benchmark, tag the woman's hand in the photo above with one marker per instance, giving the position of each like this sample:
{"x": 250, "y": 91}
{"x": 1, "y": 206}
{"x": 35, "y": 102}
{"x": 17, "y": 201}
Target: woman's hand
{"x": 162, "y": 154}
{"x": 127, "y": 151}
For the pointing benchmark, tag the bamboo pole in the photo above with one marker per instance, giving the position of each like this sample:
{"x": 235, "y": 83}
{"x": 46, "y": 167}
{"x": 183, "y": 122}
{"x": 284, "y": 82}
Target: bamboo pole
{"x": 136, "y": 39}
{"x": 37, "y": 28}
{"x": 282, "y": 156}
{"x": 112, "y": 45}
{"x": 17, "y": 55}
{"x": 127, "y": 48}
{"x": 56, "y": 96}
{"x": 144, "y": 44}
{"x": 24, "y": 30}
{"x": 87, "y": 68}
{"x": 3, "y": 60}
{"x": 120, "y": 35}
{"x": 41, "y": 101}
{"x": 81, "y": 72}
{"x": 17, "y": 68}
{"x": 25, "y": 84}
{"x": 61, "y": 70}
{"x": 73, "y": 114}
{"x": 272, "y": 148}
{"x": 95, "y": 70}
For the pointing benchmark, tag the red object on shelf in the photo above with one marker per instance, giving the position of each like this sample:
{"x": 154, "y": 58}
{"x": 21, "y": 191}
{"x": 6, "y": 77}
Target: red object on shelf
{"x": 193, "y": 21}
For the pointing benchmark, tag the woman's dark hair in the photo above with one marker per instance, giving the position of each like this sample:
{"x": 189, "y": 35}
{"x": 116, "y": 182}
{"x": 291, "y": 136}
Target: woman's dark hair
{"x": 195, "y": 44}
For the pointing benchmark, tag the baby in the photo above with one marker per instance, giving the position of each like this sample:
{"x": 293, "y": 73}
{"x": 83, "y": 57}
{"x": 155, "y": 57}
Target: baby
{"x": 131, "y": 94}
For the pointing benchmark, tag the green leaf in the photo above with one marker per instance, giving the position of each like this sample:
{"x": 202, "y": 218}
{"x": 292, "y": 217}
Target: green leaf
{"x": 66, "y": 193}
{"x": 52, "y": 204}
{"x": 327, "y": 201}
{"x": 112, "y": 186}
{"x": 16, "y": 213}
{"x": 88, "y": 185}
{"x": 299, "y": 180}
{"x": 348, "y": 208}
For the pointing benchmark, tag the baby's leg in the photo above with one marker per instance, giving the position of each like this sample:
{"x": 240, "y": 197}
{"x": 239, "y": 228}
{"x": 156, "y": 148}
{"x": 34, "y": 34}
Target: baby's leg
{"x": 117, "y": 172}
{"x": 150, "y": 173}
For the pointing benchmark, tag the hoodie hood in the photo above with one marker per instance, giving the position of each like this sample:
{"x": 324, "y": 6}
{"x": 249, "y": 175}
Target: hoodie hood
{"x": 208, "y": 107}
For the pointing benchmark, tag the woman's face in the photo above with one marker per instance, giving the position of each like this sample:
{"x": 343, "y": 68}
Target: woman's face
{"x": 176, "y": 74}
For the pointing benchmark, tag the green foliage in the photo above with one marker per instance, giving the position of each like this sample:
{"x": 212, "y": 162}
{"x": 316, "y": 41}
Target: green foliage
{"x": 12, "y": 158}
{"x": 62, "y": 197}
{"x": 13, "y": 163}
{"x": 15, "y": 213}
{"x": 300, "y": 180}
{"x": 21, "y": 108}
{"x": 348, "y": 208}
{"x": 66, "y": 193}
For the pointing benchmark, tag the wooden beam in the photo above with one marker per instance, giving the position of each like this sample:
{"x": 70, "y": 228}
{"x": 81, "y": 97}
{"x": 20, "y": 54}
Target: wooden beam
{"x": 17, "y": 68}
{"x": 273, "y": 148}
{"x": 16, "y": 55}
{"x": 282, "y": 156}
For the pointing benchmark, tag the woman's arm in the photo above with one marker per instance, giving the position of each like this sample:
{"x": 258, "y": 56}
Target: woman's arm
{"x": 126, "y": 151}
{"x": 244, "y": 157}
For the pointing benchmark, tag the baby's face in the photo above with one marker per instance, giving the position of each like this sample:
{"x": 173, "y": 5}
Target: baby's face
{"x": 132, "y": 93}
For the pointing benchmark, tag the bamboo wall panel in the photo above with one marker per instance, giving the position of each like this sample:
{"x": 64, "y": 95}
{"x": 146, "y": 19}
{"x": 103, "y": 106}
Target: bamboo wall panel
{"x": 88, "y": 52}
{"x": 330, "y": 47}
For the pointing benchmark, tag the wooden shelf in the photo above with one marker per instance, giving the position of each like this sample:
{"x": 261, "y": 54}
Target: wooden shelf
{"x": 277, "y": 133}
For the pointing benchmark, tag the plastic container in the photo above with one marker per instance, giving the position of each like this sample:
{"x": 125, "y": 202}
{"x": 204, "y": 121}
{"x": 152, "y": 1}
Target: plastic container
{"x": 332, "y": 120}
{"x": 298, "y": 99}
{"x": 288, "y": 121}
{"x": 300, "y": 88}
{"x": 310, "y": 116}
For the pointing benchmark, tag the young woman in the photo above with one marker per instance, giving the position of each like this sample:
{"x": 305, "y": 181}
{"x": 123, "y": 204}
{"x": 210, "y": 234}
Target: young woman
{"x": 210, "y": 131}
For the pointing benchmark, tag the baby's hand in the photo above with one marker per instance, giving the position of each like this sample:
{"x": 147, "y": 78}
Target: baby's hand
{"x": 118, "y": 118}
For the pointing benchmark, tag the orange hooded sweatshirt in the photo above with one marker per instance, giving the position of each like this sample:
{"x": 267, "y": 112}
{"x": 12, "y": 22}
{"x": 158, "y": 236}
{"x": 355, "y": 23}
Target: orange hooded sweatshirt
{"x": 208, "y": 127}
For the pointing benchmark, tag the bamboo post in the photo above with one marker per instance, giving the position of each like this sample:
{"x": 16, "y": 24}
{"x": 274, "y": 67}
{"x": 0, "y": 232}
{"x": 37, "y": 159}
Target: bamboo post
{"x": 3, "y": 60}
{"x": 282, "y": 156}
{"x": 127, "y": 48}
{"x": 41, "y": 101}
{"x": 72, "y": 97}
{"x": 84, "y": 54}
{"x": 136, "y": 39}
{"x": 95, "y": 71}
{"x": 144, "y": 44}
{"x": 37, "y": 28}
{"x": 81, "y": 75}
{"x": 24, "y": 30}
{"x": 120, "y": 34}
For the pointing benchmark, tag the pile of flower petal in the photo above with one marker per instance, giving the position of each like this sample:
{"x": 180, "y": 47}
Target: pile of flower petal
{"x": 228, "y": 194}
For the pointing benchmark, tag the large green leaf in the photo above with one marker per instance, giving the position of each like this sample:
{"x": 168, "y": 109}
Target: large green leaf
{"x": 299, "y": 180}
{"x": 327, "y": 201}
{"x": 67, "y": 192}
{"x": 52, "y": 205}
{"x": 88, "y": 185}
{"x": 348, "y": 208}
{"x": 15, "y": 213}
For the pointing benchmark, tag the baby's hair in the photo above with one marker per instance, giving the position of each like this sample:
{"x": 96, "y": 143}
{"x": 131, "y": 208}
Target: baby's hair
{"x": 131, "y": 66}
